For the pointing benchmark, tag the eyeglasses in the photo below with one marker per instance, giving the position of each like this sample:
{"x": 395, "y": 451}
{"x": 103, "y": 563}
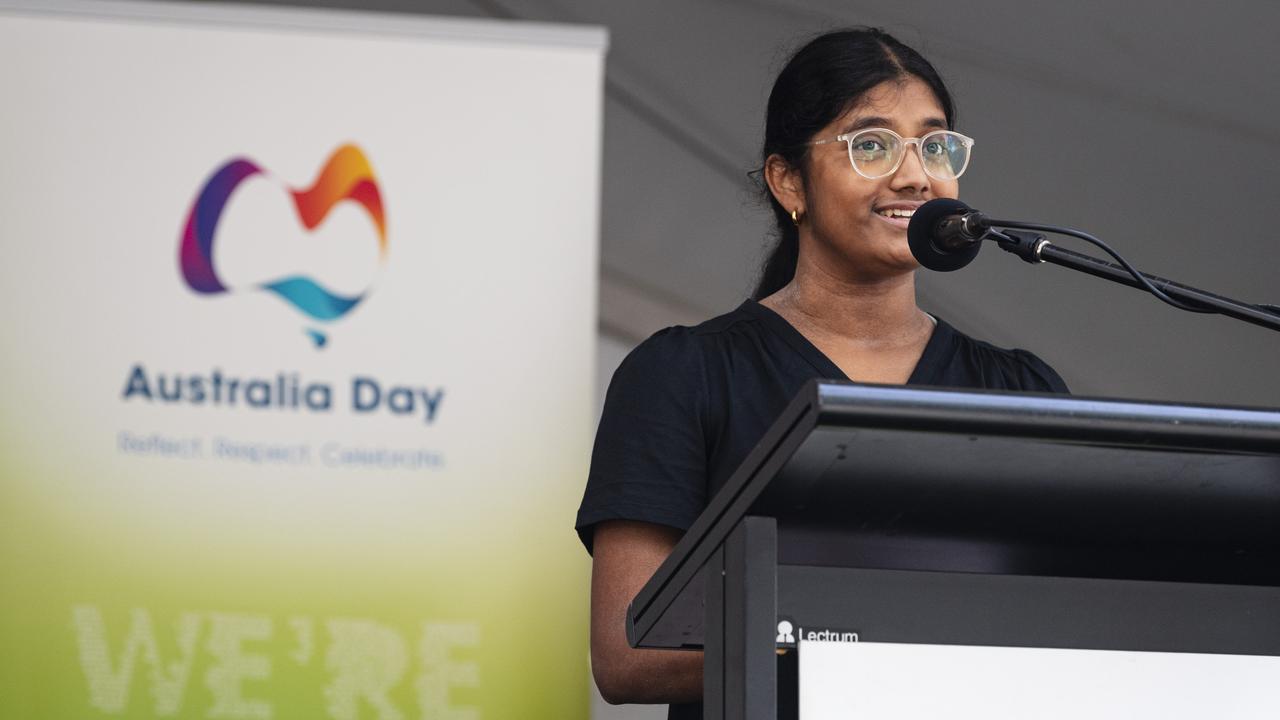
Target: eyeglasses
{"x": 877, "y": 152}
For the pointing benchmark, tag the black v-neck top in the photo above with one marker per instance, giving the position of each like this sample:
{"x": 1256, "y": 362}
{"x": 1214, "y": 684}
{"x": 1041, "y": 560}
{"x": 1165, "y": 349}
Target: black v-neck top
{"x": 688, "y": 404}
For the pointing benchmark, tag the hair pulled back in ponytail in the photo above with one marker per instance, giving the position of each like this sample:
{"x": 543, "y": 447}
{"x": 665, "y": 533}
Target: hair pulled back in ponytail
{"x": 821, "y": 82}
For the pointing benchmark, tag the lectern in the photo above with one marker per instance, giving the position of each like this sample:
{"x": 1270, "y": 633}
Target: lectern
{"x": 903, "y": 515}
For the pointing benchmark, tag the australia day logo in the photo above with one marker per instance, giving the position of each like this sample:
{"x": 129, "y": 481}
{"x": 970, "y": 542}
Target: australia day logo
{"x": 345, "y": 176}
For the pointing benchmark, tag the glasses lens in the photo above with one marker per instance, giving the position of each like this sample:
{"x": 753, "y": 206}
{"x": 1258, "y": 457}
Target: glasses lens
{"x": 946, "y": 154}
{"x": 875, "y": 153}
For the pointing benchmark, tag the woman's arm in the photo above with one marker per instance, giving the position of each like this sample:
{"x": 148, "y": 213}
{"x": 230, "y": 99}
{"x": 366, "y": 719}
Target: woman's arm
{"x": 625, "y": 556}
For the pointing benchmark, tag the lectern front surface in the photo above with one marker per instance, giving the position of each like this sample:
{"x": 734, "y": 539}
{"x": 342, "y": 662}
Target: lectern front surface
{"x": 879, "y": 680}
{"x": 928, "y": 500}
{"x": 998, "y": 483}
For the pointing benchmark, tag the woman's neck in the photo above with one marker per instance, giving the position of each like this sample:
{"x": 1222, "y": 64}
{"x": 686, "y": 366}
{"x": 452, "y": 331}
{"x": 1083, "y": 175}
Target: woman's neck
{"x": 868, "y": 313}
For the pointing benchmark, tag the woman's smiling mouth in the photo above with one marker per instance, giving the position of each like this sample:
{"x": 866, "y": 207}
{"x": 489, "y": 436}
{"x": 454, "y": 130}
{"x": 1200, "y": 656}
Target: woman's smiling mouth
{"x": 898, "y": 216}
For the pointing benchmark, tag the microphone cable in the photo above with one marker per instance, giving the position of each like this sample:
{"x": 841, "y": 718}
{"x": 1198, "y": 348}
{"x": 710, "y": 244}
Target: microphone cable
{"x": 1140, "y": 277}
{"x": 945, "y": 235}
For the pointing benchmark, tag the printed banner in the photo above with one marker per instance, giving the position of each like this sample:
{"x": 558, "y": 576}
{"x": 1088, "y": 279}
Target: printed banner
{"x": 297, "y": 370}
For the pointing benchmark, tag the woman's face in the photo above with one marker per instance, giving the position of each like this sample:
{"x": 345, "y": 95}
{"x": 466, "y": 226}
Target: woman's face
{"x": 856, "y": 227}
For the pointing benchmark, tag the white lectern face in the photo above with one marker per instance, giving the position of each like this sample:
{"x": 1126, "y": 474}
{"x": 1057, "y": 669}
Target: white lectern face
{"x": 961, "y": 682}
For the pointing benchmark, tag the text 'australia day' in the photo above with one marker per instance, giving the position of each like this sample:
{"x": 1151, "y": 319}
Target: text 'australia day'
{"x": 284, "y": 391}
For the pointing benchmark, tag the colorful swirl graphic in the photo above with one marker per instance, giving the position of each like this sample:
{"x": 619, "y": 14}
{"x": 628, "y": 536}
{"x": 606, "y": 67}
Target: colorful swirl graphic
{"x": 346, "y": 175}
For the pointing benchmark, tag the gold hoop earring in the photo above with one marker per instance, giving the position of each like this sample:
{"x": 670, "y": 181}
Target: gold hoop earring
{"x": 795, "y": 218}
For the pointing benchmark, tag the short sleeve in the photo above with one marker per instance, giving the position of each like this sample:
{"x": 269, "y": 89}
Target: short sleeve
{"x": 649, "y": 462}
{"x": 1035, "y": 375}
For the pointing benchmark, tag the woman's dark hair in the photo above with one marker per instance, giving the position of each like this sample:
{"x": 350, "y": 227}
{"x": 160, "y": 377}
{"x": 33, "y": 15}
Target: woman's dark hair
{"x": 821, "y": 82}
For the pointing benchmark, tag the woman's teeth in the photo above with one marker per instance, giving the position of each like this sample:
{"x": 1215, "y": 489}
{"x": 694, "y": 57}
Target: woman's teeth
{"x": 895, "y": 212}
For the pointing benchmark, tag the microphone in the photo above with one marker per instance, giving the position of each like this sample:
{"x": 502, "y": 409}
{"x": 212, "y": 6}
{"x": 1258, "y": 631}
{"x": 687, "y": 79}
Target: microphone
{"x": 946, "y": 234}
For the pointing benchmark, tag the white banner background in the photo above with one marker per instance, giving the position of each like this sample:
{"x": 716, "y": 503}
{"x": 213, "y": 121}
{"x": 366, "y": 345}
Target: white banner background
{"x": 484, "y": 139}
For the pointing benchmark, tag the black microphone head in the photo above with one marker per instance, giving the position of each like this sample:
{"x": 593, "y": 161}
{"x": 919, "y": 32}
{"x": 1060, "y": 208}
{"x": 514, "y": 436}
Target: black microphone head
{"x": 922, "y": 233}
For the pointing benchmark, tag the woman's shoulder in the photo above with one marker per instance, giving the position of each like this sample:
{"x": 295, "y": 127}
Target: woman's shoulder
{"x": 681, "y": 344}
{"x": 990, "y": 366}
{"x": 650, "y": 458}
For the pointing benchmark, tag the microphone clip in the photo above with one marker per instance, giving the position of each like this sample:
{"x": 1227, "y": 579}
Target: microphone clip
{"x": 1026, "y": 245}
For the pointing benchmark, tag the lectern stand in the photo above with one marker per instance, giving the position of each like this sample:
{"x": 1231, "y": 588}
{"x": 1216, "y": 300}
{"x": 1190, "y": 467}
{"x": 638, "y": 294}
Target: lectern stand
{"x": 976, "y": 518}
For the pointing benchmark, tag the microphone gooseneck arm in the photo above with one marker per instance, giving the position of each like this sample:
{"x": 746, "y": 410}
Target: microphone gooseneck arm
{"x": 1034, "y": 248}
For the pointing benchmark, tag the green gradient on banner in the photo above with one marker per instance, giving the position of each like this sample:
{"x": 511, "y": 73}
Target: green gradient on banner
{"x": 98, "y": 618}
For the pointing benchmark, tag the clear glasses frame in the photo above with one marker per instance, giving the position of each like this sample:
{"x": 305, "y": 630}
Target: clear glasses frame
{"x": 848, "y": 140}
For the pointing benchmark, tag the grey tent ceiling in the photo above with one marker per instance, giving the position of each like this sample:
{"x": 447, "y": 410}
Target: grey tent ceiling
{"x": 1150, "y": 124}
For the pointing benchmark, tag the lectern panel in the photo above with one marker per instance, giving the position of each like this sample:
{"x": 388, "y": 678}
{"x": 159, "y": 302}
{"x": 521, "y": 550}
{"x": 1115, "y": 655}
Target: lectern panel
{"x": 877, "y": 680}
{"x": 987, "y": 483}
{"x": 1019, "y": 611}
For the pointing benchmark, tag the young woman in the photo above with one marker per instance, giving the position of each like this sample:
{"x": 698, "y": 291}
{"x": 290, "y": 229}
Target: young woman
{"x": 858, "y": 134}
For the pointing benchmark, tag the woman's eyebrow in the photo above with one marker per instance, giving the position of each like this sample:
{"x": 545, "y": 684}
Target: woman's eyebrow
{"x": 866, "y": 122}
{"x": 877, "y": 121}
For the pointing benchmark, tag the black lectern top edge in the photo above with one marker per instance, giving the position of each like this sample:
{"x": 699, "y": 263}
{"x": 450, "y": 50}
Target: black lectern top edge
{"x": 1150, "y": 426}
{"x": 1048, "y": 417}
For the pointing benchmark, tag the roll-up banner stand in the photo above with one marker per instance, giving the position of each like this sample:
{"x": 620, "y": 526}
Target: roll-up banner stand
{"x": 297, "y": 372}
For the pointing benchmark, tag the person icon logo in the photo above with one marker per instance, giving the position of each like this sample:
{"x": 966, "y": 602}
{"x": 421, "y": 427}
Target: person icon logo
{"x": 786, "y": 632}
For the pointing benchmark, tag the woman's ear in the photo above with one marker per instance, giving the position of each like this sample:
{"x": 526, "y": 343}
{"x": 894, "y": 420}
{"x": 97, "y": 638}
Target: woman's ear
{"x": 785, "y": 183}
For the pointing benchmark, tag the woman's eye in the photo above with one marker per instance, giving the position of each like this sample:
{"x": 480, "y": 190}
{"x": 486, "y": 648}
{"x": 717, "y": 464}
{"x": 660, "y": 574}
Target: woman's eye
{"x": 869, "y": 146}
{"x": 934, "y": 148}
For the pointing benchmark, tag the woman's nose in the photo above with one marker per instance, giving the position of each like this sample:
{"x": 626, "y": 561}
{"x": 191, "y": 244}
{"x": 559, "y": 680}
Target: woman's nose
{"x": 910, "y": 173}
